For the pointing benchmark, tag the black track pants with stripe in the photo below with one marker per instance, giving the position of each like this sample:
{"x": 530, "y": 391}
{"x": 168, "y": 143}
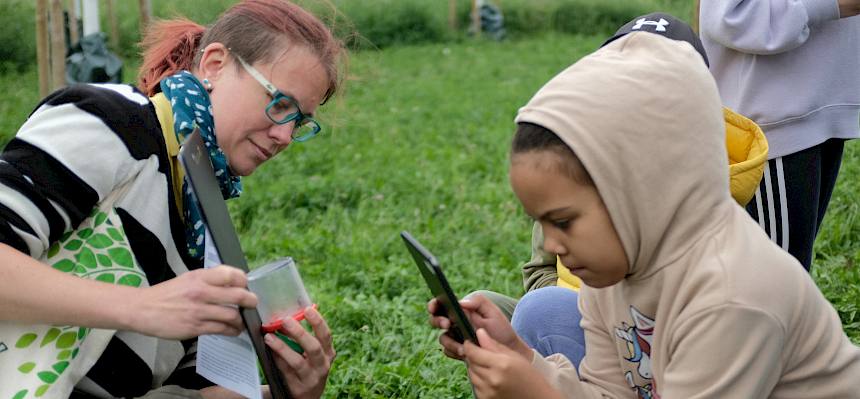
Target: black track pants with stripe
{"x": 793, "y": 196}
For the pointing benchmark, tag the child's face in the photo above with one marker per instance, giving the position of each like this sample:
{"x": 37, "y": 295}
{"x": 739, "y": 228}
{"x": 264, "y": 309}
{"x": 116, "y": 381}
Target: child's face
{"x": 575, "y": 222}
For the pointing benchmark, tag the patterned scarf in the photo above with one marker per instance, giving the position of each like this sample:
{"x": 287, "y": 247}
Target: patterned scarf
{"x": 191, "y": 107}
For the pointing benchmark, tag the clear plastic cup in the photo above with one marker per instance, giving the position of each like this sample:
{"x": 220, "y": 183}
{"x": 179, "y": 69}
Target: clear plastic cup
{"x": 280, "y": 293}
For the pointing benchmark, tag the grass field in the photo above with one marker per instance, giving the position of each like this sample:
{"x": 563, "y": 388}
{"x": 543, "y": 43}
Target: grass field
{"x": 419, "y": 142}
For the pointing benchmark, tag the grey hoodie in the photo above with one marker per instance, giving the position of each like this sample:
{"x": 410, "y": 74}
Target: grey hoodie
{"x": 711, "y": 307}
{"x": 792, "y": 66}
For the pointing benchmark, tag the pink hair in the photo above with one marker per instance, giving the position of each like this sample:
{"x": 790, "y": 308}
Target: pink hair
{"x": 253, "y": 29}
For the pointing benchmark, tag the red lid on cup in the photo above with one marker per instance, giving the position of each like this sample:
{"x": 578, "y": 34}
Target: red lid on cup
{"x": 276, "y": 324}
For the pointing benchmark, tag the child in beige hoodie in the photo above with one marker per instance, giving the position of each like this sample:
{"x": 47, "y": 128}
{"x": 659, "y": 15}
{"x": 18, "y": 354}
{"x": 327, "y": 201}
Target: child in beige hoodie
{"x": 621, "y": 159}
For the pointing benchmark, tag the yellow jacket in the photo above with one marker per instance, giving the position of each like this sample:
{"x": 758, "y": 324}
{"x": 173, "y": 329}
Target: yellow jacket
{"x": 747, "y": 149}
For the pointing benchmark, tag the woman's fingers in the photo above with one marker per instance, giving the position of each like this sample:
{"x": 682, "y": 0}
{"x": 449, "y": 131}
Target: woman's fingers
{"x": 233, "y": 296}
{"x": 307, "y": 379}
{"x": 310, "y": 344}
{"x": 321, "y": 331}
{"x": 221, "y": 285}
{"x": 290, "y": 359}
{"x": 224, "y": 276}
{"x": 219, "y": 328}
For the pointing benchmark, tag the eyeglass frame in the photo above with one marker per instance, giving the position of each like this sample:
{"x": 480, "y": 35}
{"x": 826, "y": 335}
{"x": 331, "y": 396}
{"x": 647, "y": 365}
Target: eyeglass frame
{"x": 299, "y": 117}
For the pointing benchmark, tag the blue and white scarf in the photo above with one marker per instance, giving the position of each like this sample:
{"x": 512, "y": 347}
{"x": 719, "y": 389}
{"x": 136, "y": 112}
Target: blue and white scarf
{"x": 192, "y": 107}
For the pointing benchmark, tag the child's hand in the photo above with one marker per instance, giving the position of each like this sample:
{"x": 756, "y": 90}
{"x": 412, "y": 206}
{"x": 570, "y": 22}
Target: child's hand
{"x": 485, "y": 314}
{"x": 497, "y": 371}
{"x": 450, "y": 347}
{"x": 482, "y": 314}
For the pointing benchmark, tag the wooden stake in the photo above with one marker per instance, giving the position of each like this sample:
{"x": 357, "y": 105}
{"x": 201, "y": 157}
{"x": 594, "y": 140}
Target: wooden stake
{"x": 145, "y": 14}
{"x": 73, "y": 23}
{"x": 58, "y": 46}
{"x": 452, "y": 15}
{"x": 42, "y": 47}
{"x": 114, "y": 29}
{"x": 694, "y": 20}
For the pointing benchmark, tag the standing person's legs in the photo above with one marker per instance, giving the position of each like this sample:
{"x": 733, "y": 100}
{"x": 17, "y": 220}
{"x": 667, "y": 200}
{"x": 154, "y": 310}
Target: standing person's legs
{"x": 831, "y": 160}
{"x": 793, "y": 195}
{"x": 547, "y": 319}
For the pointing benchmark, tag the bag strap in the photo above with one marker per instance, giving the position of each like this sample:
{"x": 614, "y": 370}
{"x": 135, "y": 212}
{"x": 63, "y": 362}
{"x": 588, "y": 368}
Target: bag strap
{"x": 164, "y": 112}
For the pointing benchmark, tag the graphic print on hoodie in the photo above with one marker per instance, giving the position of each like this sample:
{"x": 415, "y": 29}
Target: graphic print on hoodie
{"x": 638, "y": 339}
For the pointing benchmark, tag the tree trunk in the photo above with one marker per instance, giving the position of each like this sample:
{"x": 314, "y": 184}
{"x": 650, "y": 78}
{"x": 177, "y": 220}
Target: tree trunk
{"x": 73, "y": 23}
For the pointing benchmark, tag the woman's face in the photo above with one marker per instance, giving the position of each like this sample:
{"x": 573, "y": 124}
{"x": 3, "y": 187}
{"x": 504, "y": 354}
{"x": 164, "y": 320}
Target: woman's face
{"x": 244, "y": 132}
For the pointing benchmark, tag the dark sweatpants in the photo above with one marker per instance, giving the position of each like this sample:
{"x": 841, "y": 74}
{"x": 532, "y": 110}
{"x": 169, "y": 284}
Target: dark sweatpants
{"x": 793, "y": 196}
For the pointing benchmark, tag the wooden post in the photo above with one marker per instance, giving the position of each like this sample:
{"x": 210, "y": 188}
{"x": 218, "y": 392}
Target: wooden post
{"x": 694, "y": 20}
{"x": 58, "y": 46}
{"x": 114, "y": 29}
{"x": 42, "y": 47}
{"x": 452, "y": 15}
{"x": 145, "y": 15}
{"x": 476, "y": 19}
{"x": 73, "y": 23}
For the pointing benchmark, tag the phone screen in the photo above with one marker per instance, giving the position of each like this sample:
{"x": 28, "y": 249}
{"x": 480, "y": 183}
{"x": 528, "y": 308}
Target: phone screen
{"x": 461, "y": 329}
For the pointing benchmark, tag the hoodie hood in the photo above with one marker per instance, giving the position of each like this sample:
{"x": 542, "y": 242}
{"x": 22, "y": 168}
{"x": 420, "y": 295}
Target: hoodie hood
{"x": 644, "y": 116}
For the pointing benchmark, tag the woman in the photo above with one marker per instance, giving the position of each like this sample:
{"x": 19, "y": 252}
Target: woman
{"x": 91, "y": 187}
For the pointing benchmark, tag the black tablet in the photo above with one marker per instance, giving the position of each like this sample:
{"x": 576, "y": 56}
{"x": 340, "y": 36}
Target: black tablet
{"x": 195, "y": 161}
{"x": 450, "y": 306}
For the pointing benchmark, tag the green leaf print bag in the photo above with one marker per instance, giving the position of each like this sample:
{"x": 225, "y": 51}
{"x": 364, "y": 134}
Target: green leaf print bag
{"x": 42, "y": 361}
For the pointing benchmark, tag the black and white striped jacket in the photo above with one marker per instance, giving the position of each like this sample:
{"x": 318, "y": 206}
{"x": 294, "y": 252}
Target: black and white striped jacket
{"x": 79, "y": 145}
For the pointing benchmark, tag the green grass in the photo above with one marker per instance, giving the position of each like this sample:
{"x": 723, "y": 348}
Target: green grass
{"x": 837, "y": 267}
{"x": 419, "y": 142}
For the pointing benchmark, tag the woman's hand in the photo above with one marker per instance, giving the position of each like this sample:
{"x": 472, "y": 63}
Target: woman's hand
{"x": 497, "y": 371}
{"x": 306, "y": 373}
{"x": 199, "y": 302}
{"x": 482, "y": 314}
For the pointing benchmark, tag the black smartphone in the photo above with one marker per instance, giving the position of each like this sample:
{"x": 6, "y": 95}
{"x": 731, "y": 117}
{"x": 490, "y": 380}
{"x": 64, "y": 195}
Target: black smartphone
{"x": 461, "y": 329}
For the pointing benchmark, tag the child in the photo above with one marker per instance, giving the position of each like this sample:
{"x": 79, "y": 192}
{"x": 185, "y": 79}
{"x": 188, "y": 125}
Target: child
{"x": 620, "y": 160}
{"x": 536, "y": 318}
{"x": 745, "y": 142}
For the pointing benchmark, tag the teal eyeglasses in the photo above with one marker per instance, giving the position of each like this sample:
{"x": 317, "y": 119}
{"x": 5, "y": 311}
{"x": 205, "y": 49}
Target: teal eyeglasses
{"x": 283, "y": 109}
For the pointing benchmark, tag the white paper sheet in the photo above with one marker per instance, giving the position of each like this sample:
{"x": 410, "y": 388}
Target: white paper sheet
{"x": 227, "y": 361}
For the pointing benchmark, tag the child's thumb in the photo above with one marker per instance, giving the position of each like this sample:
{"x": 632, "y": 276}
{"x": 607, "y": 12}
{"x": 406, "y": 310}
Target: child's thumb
{"x": 486, "y": 341}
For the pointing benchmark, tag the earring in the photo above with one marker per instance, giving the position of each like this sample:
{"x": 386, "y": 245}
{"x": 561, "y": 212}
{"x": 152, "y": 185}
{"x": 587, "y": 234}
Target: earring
{"x": 207, "y": 84}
